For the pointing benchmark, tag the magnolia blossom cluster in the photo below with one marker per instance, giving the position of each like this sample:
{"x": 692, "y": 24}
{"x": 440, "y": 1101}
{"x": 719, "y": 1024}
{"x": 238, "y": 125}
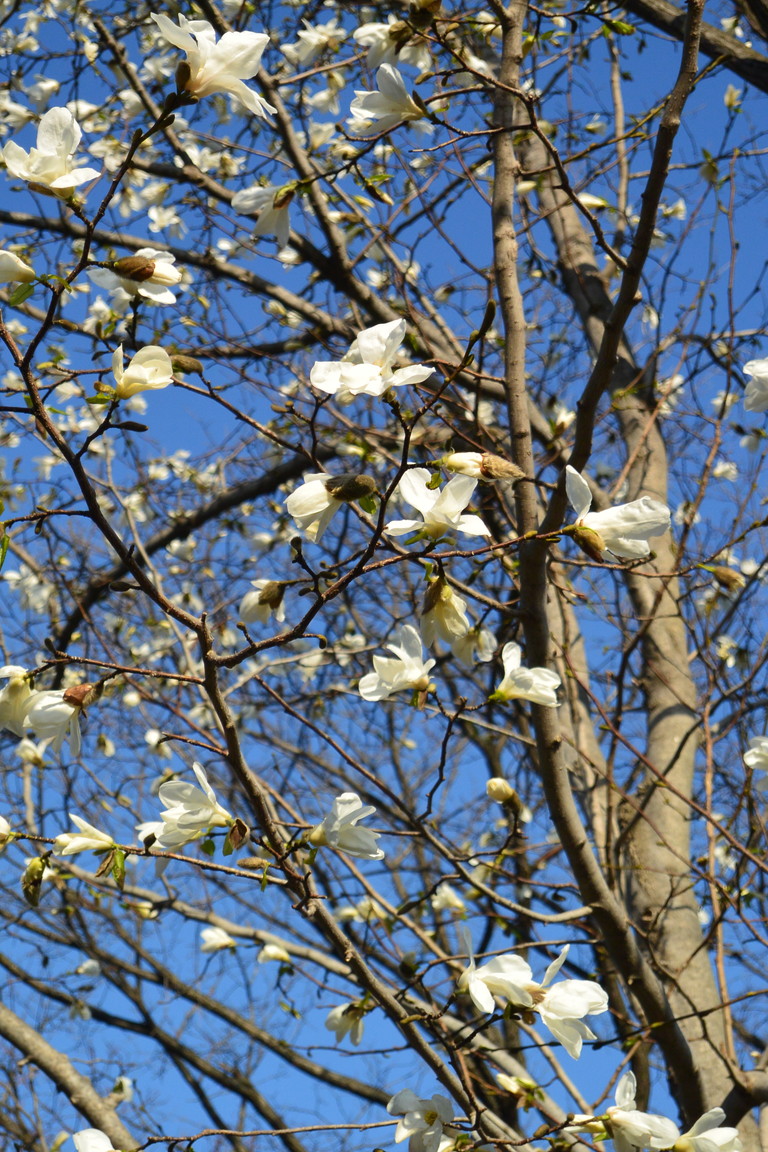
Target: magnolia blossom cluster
{"x": 561, "y": 1006}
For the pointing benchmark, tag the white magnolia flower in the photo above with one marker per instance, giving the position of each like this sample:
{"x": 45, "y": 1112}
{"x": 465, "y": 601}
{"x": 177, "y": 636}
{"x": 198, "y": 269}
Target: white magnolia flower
{"x": 5, "y": 831}
{"x": 13, "y": 270}
{"x": 389, "y": 106}
{"x": 367, "y": 368}
{"x": 50, "y": 166}
{"x": 267, "y": 600}
{"x": 539, "y": 685}
{"x": 631, "y": 1129}
{"x": 443, "y": 614}
{"x": 14, "y": 699}
{"x": 623, "y": 530}
{"x": 217, "y": 66}
{"x": 756, "y": 395}
{"x": 422, "y": 1120}
{"x": 313, "y": 39}
{"x": 314, "y": 502}
{"x": 91, "y": 1140}
{"x": 561, "y": 1006}
{"x": 757, "y": 759}
{"x": 407, "y": 671}
{"x": 385, "y": 45}
{"x": 214, "y": 939}
{"x": 346, "y": 1019}
{"x": 271, "y": 203}
{"x": 478, "y": 645}
{"x": 273, "y": 952}
{"x": 446, "y": 899}
{"x": 441, "y": 509}
{"x": 190, "y": 811}
{"x": 52, "y": 716}
{"x": 88, "y": 968}
{"x": 706, "y": 1135}
{"x": 148, "y": 370}
{"x": 339, "y": 829}
{"x": 88, "y": 839}
{"x": 150, "y": 273}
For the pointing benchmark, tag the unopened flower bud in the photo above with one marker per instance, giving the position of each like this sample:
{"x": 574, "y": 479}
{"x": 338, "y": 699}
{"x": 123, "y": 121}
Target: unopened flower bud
{"x": 482, "y": 466}
{"x": 501, "y": 790}
{"x": 727, "y": 578}
{"x": 349, "y": 486}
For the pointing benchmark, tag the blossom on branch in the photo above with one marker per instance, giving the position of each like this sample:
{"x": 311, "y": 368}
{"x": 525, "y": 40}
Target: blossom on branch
{"x": 561, "y": 1007}
{"x": 149, "y": 273}
{"x": 88, "y": 839}
{"x": 91, "y": 1140}
{"x": 367, "y": 368}
{"x": 441, "y": 509}
{"x": 215, "y": 939}
{"x": 422, "y": 1120}
{"x": 216, "y": 66}
{"x": 346, "y": 1019}
{"x": 314, "y": 502}
{"x": 539, "y": 685}
{"x": 50, "y": 166}
{"x": 389, "y": 106}
{"x": 55, "y": 715}
{"x": 267, "y": 600}
{"x": 14, "y": 699}
{"x": 623, "y": 530}
{"x": 190, "y": 812}
{"x": 148, "y": 370}
{"x": 756, "y": 395}
{"x": 13, "y": 270}
{"x": 339, "y": 829}
{"x": 406, "y": 671}
{"x": 443, "y": 614}
{"x": 270, "y": 203}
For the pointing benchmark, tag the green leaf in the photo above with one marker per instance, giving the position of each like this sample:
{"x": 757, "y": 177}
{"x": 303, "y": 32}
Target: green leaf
{"x": 208, "y": 847}
{"x": 20, "y": 294}
{"x": 4, "y": 542}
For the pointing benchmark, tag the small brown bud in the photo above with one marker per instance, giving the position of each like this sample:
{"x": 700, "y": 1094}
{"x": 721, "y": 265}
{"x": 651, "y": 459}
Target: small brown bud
{"x": 79, "y": 695}
{"x": 136, "y": 268}
{"x": 183, "y": 75}
{"x": 349, "y": 486}
{"x": 181, "y": 363}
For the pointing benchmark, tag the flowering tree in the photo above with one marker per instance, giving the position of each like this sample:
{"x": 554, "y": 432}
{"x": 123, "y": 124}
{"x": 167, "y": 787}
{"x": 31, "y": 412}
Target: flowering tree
{"x": 329, "y": 331}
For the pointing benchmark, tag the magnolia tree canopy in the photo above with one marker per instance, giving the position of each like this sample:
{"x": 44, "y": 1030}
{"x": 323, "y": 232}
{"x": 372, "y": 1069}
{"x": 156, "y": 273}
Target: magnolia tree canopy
{"x": 384, "y": 565}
